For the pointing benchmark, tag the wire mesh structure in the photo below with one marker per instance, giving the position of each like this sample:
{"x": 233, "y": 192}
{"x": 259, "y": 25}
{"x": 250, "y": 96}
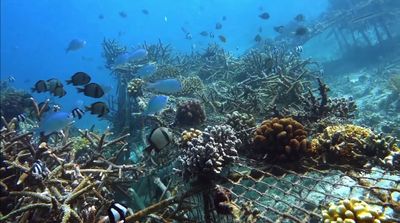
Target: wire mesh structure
{"x": 269, "y": 193}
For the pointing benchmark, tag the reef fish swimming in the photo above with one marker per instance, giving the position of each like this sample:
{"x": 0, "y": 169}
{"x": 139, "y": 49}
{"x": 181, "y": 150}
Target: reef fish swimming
{"x": 75, "y": 44}
{"x": 117, "y": 212}
{"x": 146, "y": 70}
{"x": 167, "y": 86}
{"x": 92, "y": 90}
{"x": 156, "y": 104}
{"x": 127, "y": 57}
{"x": 79, "y": 78}
{"x": 98, "y": 108}
{"x": 54, "y": 122}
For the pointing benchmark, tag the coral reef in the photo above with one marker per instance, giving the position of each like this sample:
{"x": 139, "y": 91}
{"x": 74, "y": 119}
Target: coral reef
{"x": 207, "y": 155}
{"x": 188, "y": 135}
{"x": 191, "y": 85}
{"x": 43, "y": 182}
{"x": 223, "y": 203}
{"x": 135, "y": 87}
{"x": 353, "y": 145}
{"x": 13, "y": 102}
{"x": 353, "y": 211}
{"x": 394, "y": 84}
{"x": 242, "y": 123}
{"x": 281, "y": 139}
{"x": 190, "y": 113}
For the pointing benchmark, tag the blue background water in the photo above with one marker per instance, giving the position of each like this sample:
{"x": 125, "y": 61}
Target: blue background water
{"x": 34, "y": 34}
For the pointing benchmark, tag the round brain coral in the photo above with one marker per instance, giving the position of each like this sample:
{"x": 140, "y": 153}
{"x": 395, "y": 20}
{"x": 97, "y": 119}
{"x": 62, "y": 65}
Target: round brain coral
{"x": 281, "y": 139}
{"x": 190, "y": 113}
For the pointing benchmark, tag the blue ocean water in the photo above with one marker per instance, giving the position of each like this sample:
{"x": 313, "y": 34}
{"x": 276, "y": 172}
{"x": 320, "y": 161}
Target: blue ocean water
{"x": 35, "y": 34}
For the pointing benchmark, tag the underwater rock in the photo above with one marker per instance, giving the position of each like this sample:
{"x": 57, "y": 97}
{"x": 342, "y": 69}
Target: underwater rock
{"x": 281, "y": 139}
{"x": 242, "y": 123}
{"x": 190, "y": 113}
{"x": 135, "y": 87}
{"x": 354, "y": 145}
{"x": 353, "y": 210}
{"x": 207, "y": 155}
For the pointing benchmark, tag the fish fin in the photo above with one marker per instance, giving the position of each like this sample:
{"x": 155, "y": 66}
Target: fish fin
{"x": 87, "y": 108}
{"x": 80, "y": 89}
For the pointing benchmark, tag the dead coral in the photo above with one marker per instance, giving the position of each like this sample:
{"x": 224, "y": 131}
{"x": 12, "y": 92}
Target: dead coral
{"x": 68, "y": 189}
{"x": 281, "y": 139}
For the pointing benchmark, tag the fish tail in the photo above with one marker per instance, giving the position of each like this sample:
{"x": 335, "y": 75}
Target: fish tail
{"x": 80, "y": 89}
{"x": 69, "y": 81}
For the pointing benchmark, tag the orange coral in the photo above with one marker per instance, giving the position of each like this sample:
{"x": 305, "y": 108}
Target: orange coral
{"x": 282, "y": 139}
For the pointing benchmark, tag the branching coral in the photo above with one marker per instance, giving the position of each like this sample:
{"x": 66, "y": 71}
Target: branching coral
{"x": 353, "y": 211}
{"x": 281, "y": 139}
{"x": 242, "y": 123}
{"x": 352, "y": 145}
{"x": 65, "y": 193}
{"x": 190, "y": 113}
{"x": 207, "y": 155}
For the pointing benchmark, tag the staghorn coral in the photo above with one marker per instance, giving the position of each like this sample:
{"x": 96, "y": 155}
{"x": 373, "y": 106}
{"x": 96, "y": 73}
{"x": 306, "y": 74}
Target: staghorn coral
{"x": 64, "y": 190}
{"x": 281, "y": 139}
{"x": 242, "y": 123}
{"x": 190, "y": 113}
{"x": 352, "y": 144}
{"x": 135, "y": 87}
{"x": 207, "y": 155}
{"x": 191, "y": 85}
{"x": 353, "y": 211}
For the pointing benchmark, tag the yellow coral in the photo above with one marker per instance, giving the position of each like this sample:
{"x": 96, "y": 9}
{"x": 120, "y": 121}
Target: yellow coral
{"x": 343, "y": 139}
{"x": 187, "y": 136}
{"x": 353, "y": 211}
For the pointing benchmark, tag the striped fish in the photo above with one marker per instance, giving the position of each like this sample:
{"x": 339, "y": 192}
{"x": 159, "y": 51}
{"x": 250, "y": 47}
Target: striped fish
{"x": 39, "y": 168}
{"x": 77, "y": 113}
{"x": 117, "y": 212}
{"x": 299, "y": 49}
{"x": 21, "y": 118}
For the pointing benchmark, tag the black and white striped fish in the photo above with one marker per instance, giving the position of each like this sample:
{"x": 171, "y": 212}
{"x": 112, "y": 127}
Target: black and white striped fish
{"x": 117, "y": 212}
{"x": 11, "y": 79}
{"x": 39, "y": 168}
{"x": 21, "y": 118}
{"x": 77, "y": 113}
{"x": 299, "y": 49}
